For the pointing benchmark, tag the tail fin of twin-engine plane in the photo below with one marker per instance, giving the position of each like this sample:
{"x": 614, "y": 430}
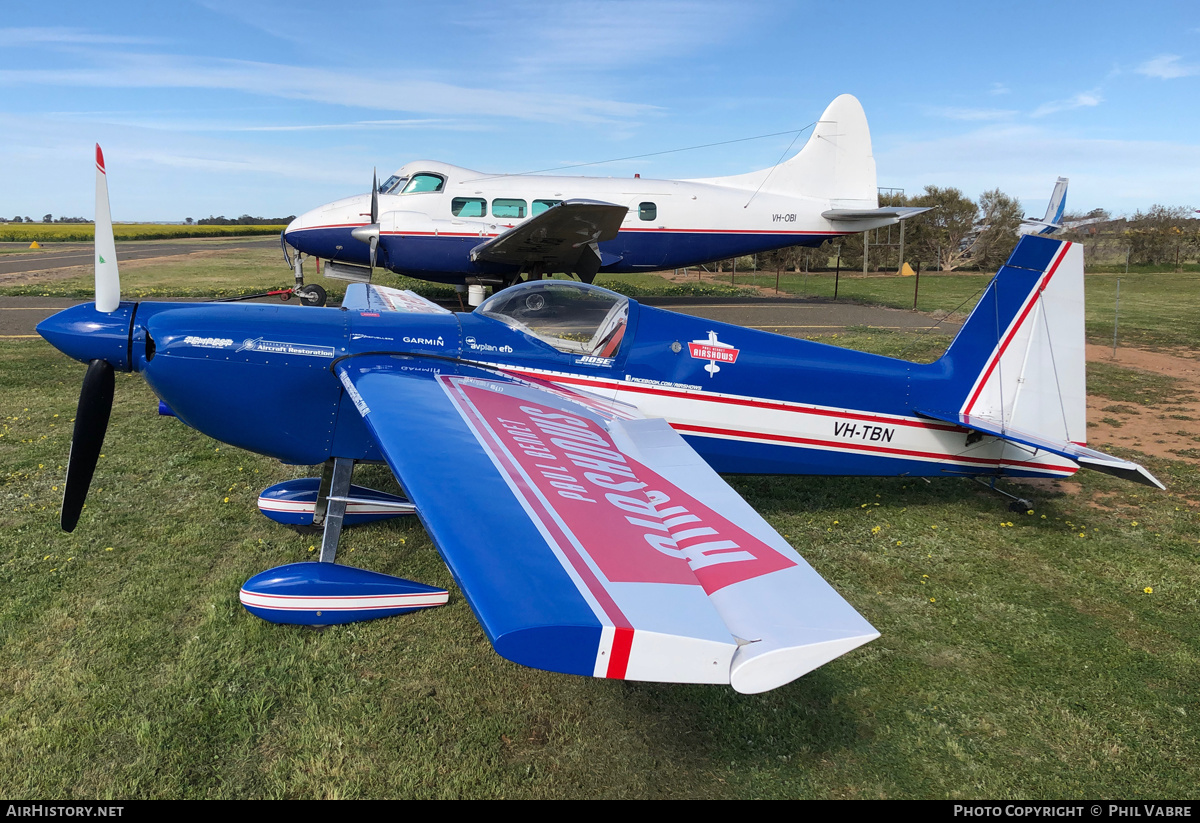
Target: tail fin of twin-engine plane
{"x": 1016, "y": 370}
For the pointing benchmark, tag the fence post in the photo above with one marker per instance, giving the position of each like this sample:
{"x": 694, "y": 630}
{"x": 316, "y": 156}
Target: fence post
{"x": 837, "y": 275}
{"x": 1116, "y": 317}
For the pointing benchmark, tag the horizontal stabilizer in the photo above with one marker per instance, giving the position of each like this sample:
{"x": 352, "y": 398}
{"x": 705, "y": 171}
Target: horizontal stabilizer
{"x": 1088, "y": 458}
{"x": 884, "y": 213}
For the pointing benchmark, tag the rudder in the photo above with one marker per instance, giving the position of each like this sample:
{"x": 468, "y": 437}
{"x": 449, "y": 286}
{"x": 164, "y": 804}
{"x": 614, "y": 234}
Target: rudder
{"x": 1019, "y": 359}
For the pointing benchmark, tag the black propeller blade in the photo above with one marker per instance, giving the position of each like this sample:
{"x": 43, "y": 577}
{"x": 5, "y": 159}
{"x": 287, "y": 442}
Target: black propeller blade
{"x": 91, "y": 422}
{"x": 370, "y": 233}
{"x": 374, "y": 196}
{"x": 374, "y": 214}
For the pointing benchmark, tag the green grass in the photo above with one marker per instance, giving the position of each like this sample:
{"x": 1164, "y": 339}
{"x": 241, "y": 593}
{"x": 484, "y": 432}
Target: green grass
{"x": 919, "y": 348}
{"x": 228, "y": 271}
{"x": 937, "y": 291}
{"x": 223, "y": 271}
{"x": 1157, "y": 308}
{"x": 1017, "y": 658}
{"x": 1135, "y": 386}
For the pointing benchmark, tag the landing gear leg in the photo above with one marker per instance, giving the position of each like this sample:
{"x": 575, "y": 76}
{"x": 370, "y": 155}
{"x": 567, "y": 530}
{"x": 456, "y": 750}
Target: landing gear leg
{"x": 313, "y": 295}
{"x": 330, "y": 508}
{"x": 1020, "y": 505}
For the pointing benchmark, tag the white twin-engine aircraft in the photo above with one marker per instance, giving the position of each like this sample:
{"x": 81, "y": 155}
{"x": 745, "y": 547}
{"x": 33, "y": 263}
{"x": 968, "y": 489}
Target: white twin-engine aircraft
{"x": 444, "y": 223}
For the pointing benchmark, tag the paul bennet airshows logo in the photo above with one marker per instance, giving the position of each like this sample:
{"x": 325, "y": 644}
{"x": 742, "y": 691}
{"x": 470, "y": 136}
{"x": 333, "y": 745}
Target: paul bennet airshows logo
{"x": 208, "y": 342}
{"x": 714, "y": 351}
{"x": 277, "y": 347}
{"x": 425, "y": 341}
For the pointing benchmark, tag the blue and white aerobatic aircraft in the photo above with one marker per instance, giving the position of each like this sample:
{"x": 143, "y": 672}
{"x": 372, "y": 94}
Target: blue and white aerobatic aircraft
{"x": 439, "y": 222}
{"x": 585, "y": 433}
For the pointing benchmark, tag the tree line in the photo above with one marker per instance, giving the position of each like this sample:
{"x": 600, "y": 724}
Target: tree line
{"x": 962, "y": 234}
{"x": 222, "y": 220}
{"x": 957, "y": 233}
{"x": 244, "y": 220}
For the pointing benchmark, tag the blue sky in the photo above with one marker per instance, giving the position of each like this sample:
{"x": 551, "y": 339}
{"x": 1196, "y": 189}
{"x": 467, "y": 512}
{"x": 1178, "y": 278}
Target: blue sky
{"x": 271, "y": 108}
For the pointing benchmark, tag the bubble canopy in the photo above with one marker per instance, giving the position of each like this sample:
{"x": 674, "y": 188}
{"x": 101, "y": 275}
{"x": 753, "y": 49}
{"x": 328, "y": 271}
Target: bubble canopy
{"x": 572, "y": 317}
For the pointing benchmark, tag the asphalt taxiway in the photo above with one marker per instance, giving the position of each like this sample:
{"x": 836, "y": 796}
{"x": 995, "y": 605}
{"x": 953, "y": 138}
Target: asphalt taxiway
{"x": 18, "y": 258}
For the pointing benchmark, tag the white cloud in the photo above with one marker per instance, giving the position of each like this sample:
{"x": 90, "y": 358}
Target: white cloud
{"x": 952, "y": 113}
{"x": 64, "y": 36}
{"x": 336, "y": 87}
{"x": 1167, "y": 67}
{"x": 582, "y": 34}
{"x": 1081, "y": 100}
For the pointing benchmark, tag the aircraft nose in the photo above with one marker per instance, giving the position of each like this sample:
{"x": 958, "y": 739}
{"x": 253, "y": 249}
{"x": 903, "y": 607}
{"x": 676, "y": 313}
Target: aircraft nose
{"x": 85, "y": 334}
{"x": 325, "y": 231}
{"x": 294, "y": 232}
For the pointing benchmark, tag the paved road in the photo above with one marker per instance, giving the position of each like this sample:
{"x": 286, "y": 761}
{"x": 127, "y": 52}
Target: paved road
{"x": 61, "y": 255}
{"x": 796, "y": 318}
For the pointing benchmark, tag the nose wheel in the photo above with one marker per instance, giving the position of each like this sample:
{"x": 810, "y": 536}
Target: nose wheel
{"x": 310, "y": 295}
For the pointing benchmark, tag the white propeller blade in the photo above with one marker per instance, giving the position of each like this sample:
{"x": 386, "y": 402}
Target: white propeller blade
{"x": 108, "y": 281}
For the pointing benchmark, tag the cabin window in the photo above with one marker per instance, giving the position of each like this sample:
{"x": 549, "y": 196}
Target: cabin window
{"x": 424, "y": 182}
{"x": 393, "y": 185}
{"x": 508, "y": 207}
{"x": 468, "y": 207}
{"x": 540, "y": 206}
{"x": 647, "y": 211}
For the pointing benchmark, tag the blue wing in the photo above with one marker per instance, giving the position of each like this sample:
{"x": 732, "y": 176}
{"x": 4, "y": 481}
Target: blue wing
{"x": 369, "y": 298}
{"x": 591, "y": 541}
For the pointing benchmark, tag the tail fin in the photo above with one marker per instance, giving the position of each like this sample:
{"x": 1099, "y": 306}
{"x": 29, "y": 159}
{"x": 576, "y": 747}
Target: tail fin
{"x": 835, "y": 164}
{"x": 1058, "y": 203}
{"x": 1023, "y": 345}
{"x": 1017, "y": 367}
{"x": 1055, "y": 209}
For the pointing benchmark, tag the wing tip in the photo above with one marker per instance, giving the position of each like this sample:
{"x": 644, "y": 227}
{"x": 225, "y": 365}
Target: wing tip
{"x": 100, "y": 159}
{"x": 754, "y": 673}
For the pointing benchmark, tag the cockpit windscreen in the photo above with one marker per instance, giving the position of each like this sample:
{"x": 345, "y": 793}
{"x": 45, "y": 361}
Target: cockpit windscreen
{"x": 393, "y": 185}
{"x": 571, "y": 317}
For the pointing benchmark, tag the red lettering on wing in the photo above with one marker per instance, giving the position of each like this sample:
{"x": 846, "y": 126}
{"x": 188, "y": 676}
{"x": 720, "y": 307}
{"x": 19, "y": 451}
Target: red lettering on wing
{"x": 634, "y": 525}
